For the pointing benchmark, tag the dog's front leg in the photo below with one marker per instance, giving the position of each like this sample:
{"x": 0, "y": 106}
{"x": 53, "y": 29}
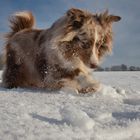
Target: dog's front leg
{"x": 70, "y": 84}
{"x": 87, "y": 84}
{"x": 82, "y": 84}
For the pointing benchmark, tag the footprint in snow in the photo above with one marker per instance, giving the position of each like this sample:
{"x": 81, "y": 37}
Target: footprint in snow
{"x": 126, "y": 115}
{"x": 132, "y": 101}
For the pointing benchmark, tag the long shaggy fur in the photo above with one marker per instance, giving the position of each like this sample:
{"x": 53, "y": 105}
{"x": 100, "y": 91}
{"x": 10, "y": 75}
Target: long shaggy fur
{"x": 61, "y": 56}
{"x": 20, "y": 21}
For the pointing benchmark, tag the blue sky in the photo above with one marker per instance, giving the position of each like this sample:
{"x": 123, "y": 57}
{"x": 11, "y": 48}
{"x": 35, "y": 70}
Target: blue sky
{"x": 126, "y": 32}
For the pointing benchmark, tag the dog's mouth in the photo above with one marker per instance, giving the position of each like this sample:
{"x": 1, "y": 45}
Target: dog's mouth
{"x": 93, "y": 66}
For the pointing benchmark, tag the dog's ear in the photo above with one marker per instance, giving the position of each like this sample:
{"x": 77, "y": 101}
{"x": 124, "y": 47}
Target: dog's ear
{"x": 110, "y": 18}
{"x": 113, "y": 18}
{"x": 76, "y": 17}
{"x": 105, "y": 18}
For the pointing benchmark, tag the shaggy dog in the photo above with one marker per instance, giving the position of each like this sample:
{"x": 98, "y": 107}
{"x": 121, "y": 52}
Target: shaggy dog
{"x": 63, "y": 55}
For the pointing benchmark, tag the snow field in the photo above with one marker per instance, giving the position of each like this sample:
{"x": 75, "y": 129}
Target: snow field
{"x": 113, "y": 113}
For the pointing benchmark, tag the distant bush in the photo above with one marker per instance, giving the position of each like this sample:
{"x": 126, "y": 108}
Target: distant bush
{"x": 121, "y": 67}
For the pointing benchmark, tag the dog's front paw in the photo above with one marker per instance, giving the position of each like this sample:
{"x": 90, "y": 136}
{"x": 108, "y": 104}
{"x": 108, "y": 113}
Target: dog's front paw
{"x": 91, "y": 89}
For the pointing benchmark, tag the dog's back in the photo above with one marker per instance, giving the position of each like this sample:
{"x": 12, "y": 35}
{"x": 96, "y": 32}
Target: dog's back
{"x": 21, "y": 52}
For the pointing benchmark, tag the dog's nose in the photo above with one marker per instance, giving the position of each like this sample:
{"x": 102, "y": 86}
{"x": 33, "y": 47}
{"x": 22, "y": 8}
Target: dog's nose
{"x": 93, "y": 66}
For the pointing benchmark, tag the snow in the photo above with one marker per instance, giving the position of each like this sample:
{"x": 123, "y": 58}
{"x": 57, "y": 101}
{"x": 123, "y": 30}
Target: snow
{"x": 73, "y": 116}
{"x": 113, "y": 113}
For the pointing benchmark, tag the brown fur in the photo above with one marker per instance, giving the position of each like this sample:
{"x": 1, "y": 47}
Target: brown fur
{"x": 60, "y": 56}
{"x": 25, "y": 23}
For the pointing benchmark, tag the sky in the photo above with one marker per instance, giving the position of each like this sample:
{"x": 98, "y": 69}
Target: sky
{"x": 126, "y": 45}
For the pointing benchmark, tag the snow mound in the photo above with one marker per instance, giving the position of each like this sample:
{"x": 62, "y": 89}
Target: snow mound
{"x": 76, "y": 117}
{"x": 106, "y": 90}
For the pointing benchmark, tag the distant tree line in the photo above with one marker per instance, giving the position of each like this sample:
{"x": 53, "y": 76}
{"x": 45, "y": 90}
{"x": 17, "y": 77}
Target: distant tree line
{"x": 121, "y": 67}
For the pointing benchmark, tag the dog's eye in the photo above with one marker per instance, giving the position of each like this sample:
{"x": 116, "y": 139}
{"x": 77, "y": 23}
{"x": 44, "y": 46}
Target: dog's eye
{"x": 104, "y": 47}
{"x": 99, "y": 44}
{"x": 77, "y": 24}
{"x": 86, "y": 45}
{"x": 76, "y": 39}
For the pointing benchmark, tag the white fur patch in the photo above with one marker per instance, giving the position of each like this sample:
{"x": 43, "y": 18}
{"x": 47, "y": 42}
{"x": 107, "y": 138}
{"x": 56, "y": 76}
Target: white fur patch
{"x": 94, "y": 57}
{"x": 69, "y": 36}
{"x": 25, "y": 14}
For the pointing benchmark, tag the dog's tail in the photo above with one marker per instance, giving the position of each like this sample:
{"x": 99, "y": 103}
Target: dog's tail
{"x": 20, "y": 21}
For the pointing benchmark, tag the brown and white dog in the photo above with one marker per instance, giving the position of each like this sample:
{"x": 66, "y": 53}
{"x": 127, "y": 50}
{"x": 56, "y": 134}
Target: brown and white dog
{"x": 60, "y": 56}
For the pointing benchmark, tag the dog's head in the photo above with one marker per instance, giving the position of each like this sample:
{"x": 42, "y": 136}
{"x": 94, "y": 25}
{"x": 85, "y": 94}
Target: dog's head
{"x": 84, "y": 36}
